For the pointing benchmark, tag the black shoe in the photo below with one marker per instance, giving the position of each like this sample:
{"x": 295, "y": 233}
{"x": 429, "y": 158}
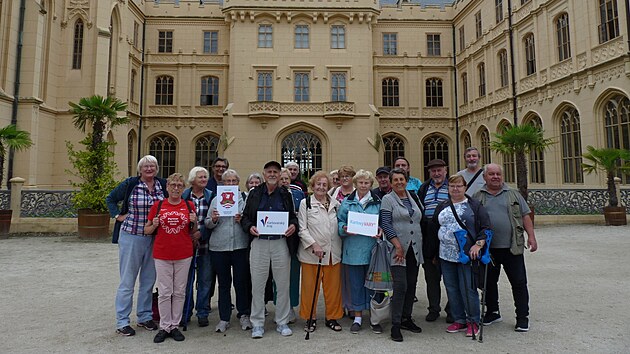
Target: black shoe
{"x": 449, "y": 318}
{"x": 409, "y": 325}
{"x": 396, "y": 335}
{"x": 522, "y": 324}
{"x": 126, "y": 331}
{"x": 415, "y": 299}
{"x": 177, "y": 335}
{"x": 377, "y": 328}
{"x": 148, "y": 325}
{"x": 432, "y": 316}
{"x": 492, "y": 317}
{"x": 203, "y": 321}
{"x": 160, "y": 336}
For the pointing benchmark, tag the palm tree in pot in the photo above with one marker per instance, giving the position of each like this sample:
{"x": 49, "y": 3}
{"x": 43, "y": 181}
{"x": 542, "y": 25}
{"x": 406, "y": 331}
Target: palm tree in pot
{"x": 613, "y": 162}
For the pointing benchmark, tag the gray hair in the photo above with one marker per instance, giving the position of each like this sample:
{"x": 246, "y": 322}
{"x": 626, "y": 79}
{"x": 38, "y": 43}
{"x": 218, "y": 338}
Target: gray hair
{"x": 363, "y": 174}
{"x": 472, "y": 148}
{"x": 193, "y": 173}
{"x": 292, "y": 163}
{"x": 230, "y": 172}
{"x": 485, "y": 168}
{"x": 148, "y": 159}
{"x": 254, "y": 175}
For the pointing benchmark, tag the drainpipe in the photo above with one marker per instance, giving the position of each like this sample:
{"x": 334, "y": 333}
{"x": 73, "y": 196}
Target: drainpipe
{"x": 16, "y": 85}
{"x": 457, "y": 147}
{"x": 512, "y": 66}
{"x": 144, "y": 30}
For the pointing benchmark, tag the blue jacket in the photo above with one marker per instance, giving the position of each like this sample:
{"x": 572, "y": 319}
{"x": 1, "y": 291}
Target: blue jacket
{"x": 207, "y": 197}
{"x": 357, "y": 249}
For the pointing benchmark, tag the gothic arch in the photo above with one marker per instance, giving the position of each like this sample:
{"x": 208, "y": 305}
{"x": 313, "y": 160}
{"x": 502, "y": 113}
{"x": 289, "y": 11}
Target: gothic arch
{"x": 305, "y": 144}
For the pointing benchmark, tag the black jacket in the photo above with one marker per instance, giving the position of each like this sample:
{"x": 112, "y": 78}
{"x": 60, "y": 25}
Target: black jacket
{"x": 482, "y": 221}
{"x": 251, "y": 209}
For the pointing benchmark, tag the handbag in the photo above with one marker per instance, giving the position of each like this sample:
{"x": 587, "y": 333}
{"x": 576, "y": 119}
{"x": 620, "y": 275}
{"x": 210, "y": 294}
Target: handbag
{"x": 379, "y": 311}
{"x": 379, "y": 275}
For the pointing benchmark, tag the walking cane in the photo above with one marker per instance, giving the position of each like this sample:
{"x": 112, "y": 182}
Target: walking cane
{"x": 189, "y": 292}
{"x": 310, "y": 316}
{"x": 483, "y": 303}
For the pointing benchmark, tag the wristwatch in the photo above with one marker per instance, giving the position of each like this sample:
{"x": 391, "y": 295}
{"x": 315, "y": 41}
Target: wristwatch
{"x": 479, "y": 243}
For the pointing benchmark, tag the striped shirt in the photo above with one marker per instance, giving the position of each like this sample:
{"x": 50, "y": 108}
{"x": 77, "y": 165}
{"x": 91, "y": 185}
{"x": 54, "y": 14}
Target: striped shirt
{"x": 387, "y": 222}
{"x": 202, "y": 211}
{"x": 140, "y": 202}
{"x": 434, "y": 197}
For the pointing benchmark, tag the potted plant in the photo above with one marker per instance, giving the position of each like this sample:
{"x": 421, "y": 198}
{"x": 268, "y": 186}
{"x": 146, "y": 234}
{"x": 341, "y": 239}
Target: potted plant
{"x": 612, "y": 162}
{"x": 10, "y": 138}
{"x": 94, "y": 165}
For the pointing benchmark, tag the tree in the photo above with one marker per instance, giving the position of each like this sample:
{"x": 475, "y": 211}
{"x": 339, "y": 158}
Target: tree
{"x": 610, "y": 161}
{"x": 519, "y": 141}
{"x": 12, "y": 138}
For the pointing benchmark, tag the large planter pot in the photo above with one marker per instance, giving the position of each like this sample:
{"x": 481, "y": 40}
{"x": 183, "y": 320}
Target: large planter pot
{"x": 93, "y": 224}
{"x": 5, "y": 222}
{"x": 615, "y": 216}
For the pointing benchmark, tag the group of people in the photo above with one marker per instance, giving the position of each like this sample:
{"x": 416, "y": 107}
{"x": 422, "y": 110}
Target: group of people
{"x": 169, "y": 234}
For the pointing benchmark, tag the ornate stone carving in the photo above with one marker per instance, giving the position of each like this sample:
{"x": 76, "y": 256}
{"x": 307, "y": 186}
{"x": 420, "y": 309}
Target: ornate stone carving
{"x": 609, "y": 50}
{"x": 391, "y": 111}
{"x": 162, "y": 110}
{"x": 435, "y": 112}
{"x": 561, "y": 70}
{"x": 529, "y": 83}
{"x": 581, "y": 61}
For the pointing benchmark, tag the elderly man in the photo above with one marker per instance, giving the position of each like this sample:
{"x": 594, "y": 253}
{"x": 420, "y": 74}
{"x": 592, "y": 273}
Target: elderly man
{"x": 294, "y": 170}
{"x": 432, "y": 193}
{"x": 266, "y": 249}
{"x": 413, "y": 183}
{"x": 384, "y": 184}
{"x": 219, "y": 165}
{"x": 472, "y": 172}
{"x": 509, "y": 215}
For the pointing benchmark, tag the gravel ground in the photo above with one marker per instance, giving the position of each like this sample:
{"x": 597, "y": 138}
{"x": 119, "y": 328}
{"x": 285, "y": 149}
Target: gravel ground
{"x": 58, "y": 296}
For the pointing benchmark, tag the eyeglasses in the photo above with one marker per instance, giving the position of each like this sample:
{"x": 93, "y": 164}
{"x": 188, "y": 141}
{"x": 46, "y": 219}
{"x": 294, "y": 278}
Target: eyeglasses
{"x": 176, "y": 186}
{"x": 456, "y": 186}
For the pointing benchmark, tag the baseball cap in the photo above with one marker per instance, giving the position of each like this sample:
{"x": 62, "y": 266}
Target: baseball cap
{"x": 272, "y": 163}
{"x": 383, "y": 169}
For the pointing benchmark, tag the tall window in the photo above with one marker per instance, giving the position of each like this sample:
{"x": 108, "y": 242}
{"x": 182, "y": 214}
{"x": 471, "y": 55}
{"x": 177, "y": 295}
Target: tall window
{"x": 530, "y": 54}
{"x": 211, "y": 42}
{"x": 390, "y": 44}
{"x": 617, "y": 126}
{"x": 264, "y": 86}
{"x": 433, "y": 45}
{"x": 265, "y": 36}
{"x": 164, "y": 148}
{"x": 206, "y": 150}
{"x": 131, "y": 146}
{"x": 465, "y": 87}
{"x": 165, "y": 42}
{"x": 562, "y": 34}
{"x": 77, "y": 49}
{"x": 498, "y": 10}
{"x": 338, "y": 37}
{"x": 503, "y": 68}
{"x": 394, "y": 147}
{"x": 536, "y": 158}
{"x": 136, "y": 31}
{"x": 209, "y": 91}
{"x": 302, "y": 37}
{"x": 462, "y": 39}
{"x": 508, "y": 161}
{"x": 434, "y": 147}
{"x": 301, "y": 87}
{"x": 484, "y": 138}
{"x": 608, "y": 20}
{"x": 305, "y": 149}
{"x": 466, "y": 140}
{"x": 132, "y": 86}
{"x": 164, "y": 90}
{"x": 338, "y": 87}
{"x": 434, "y": 94}
{"x": 478, "y": 25}
{"x": 571, "y": 146}
{"x": 482, "y": 79}
{"x": 390, "y": 92}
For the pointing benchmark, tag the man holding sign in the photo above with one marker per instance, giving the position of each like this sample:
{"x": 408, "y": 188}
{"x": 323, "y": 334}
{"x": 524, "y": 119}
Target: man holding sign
{"x": 270, "y": 219}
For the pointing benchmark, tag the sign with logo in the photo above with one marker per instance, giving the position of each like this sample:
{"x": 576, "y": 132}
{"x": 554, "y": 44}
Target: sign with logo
{"x": 362, "y": 224}
{"x": 227, "y": 200}
{"x": 272, "y": 222}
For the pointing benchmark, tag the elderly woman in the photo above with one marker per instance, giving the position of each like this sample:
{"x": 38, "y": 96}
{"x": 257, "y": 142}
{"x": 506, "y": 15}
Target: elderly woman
{"x": 346, "y": 173}
{"x": 357, "y": 249}
{"x": 200, "y": 196}
{"x": 320, "y": 242}
{"x": 400, "y": 219}
{"x": 334, "y": 177}
{"x": 254, "y": 180}
{"x": 135, "y": 247}
{"x": 230, "y": 258}
{"x": 175, "y": 221}
{"x": 462, "y": 294}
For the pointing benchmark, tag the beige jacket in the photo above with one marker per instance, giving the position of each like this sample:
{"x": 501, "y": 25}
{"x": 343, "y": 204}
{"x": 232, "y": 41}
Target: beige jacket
{"x": 319, "y": 225}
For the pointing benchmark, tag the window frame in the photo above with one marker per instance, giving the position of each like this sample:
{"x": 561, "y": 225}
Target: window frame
{"x": 264, "y": 91}
{"x": 390, "y": 43}
{"x": 211, "y": 42}
{"x": 163, "y": 98}
{"x": 563, "y": 37}
{"x": 530, "y": 54}
{"x": 608, "y": 27}
{"x": 465, "y": 87}
{"x": 299, "y": 88}
{"x": 165, "y": 41}
{"x": 478, "y": 25}
{"x": 504, "y": 78}
{"x": 77, "y": 47}
{"x": 265, "y": 35}
{"x": 302, "y": 40}
{"x": 211, "y": 84}
{"x": 338, "y": 38}
{"x": 434, "y": 44}
{"x": 498, "y": 10}
{"x": 434, "y": 92}
{"x": 390, "y": 92}
{"x": 481, "y": 69}
{"x": 338, "y": 91}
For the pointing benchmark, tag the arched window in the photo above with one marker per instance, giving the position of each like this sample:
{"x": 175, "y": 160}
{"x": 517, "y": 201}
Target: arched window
{"x": 164, "y": 148}
{"x": 209, "y": 91}
{"x": 503, "y": 68}
{"x": 131, "y": 147}
{"x": 562, "y": 35}
{"x": 305, "y": 149}
{"x": 509, "y": 173}
{"x": 571, "y": 146}
{"x": 164, "y": 90}
{"x": 434, "y": 93}
{"x": 206, "y": 150}
{"x": 466, "y": 140}
{"x": 536, "y": 158}
{"x": 481, "y": 69}
{"x": 617, "y": 125}
{"x": 434, "y": 147}
{"x": 390, "y": 92}
{"x": 394, "y": 147}
{"x": 77, "y": 48}
{"x": 484, "y": 138}
{"x": 530, "y": 54}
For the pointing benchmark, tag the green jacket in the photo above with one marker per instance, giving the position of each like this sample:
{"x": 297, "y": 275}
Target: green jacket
{"x": 517, "y": 246}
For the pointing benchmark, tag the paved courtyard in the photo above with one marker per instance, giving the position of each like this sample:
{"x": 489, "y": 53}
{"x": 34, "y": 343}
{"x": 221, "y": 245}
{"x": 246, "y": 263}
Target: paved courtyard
{"x": 58, "y": 296}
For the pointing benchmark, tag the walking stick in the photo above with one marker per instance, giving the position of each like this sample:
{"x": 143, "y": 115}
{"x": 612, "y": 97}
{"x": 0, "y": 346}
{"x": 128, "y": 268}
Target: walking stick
{"x": 310, "y": 316}
{"x": 189, "y": 290}
{"x": 483, "y": 303}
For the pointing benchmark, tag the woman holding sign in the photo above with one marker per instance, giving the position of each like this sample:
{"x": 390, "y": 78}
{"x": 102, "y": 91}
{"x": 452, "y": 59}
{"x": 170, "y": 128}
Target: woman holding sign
{"x": 357, "y": 248}
{"x": 400, "y": 220}
{"x": 320, "y": 242}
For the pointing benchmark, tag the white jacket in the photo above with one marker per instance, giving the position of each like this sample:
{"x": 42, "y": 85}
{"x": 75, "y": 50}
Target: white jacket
{"x": 319, "y": 225}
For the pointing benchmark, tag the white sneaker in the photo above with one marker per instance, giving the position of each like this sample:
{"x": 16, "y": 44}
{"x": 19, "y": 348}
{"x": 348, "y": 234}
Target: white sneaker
{"x": 257, "y": 332}
{"x": 292, "y": 316}
{"x": 245, "y": 323}
{"x": 284, "y": 330}
{"x": 222, "y": 326}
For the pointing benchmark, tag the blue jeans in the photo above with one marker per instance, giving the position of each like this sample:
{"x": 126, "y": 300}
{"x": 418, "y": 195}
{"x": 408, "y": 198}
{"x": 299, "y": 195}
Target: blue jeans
{"x": 459, "y": 285}
{"x": 206, "y": 279}
{"x": 234, "y": 263}
{"x": 135, "y": 255}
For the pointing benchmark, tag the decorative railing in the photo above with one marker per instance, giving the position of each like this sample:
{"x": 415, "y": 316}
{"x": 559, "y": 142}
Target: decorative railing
{"x": 5, "y": 199}
{"x": 573, "y": 201}
{"x": 47, "y": 204}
